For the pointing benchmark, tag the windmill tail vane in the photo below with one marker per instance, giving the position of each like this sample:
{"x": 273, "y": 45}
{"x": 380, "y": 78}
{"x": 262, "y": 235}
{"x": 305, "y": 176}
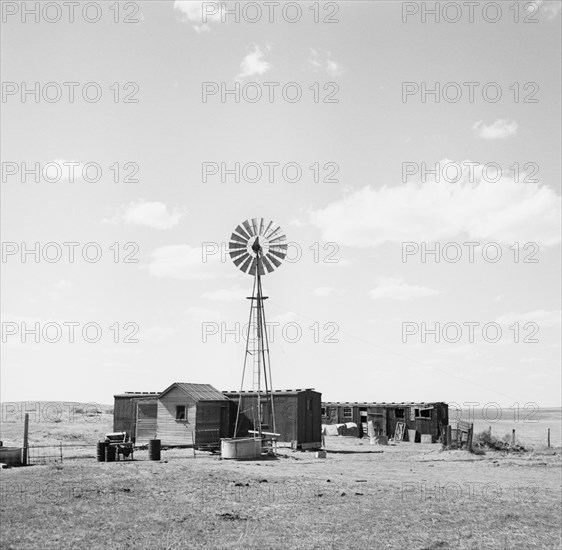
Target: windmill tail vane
{"x": 257, "y": 247}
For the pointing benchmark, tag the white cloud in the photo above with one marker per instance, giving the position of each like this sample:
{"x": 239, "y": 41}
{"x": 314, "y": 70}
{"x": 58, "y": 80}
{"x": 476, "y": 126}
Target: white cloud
{"x": 318, "y": 62}
{"x": 149, "y": 214}
{"x": 542, "y": 317}
{"x": 63, "y": 284}
{"x": 253, "y": 63}
{"x": 500, "y": 129}
{"x": 504, "y": 211}
{"x": 551, "y": 8}
{"x": 182, "y": 261}
{"x": 323, "y": 291}
{"x": 396, "y": 289}
{"x": 227, "y": 294}
{"x": 199, "y": 13}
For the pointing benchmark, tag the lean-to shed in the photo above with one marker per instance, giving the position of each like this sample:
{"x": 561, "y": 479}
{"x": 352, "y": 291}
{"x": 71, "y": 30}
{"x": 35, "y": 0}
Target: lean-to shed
{"x": 192, "y": 414}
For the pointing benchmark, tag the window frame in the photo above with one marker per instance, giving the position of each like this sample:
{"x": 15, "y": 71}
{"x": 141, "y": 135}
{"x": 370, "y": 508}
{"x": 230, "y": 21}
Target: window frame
{"x": 184, "y": 419}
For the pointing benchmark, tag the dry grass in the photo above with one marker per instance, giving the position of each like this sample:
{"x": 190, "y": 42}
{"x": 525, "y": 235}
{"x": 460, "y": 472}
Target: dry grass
{"x": 411, "y": 496}
{"x": 407, "y": 497}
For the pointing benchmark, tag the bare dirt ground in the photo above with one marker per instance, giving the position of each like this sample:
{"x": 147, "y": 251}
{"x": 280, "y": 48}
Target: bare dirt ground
{"x": 404, "y": 497}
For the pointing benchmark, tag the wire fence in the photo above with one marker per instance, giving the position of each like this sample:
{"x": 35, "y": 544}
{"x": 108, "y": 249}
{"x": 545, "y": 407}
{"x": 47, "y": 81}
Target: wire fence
{"x": 49, "y": 454}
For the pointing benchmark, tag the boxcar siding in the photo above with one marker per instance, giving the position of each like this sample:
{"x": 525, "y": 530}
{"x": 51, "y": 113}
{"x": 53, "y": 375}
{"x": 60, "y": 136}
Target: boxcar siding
{"x": 208, "y": 421}
{"x": 292, "y": 419}
{"x": 169, "y": 430}
{"x": 124, "y": 415}
{"x": 146, "y": 426}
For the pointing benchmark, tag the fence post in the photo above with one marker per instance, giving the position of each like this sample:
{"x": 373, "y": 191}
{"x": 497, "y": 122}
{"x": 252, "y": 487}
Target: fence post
{"x": 548, "y": 438}
{"x": 513, "y": 437}
{"x": 449, "y": 435}
{"x": 25, "y": 439}
{"x": 469, "y": 437}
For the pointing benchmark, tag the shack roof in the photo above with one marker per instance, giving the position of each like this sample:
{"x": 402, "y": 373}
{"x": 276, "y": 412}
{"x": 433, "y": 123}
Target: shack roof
{"x": 136, "y": 394}
{"x": 198, "y": 392}
{"x": 275, "y": 392}
{"x": 381, "y": 404}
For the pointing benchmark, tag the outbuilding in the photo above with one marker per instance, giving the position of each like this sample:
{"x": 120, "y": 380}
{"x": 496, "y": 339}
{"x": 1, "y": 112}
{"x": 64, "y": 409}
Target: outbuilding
{"x": 135, "y": 413}
{"x": 417, "y": 419}
{"x": 298, "y": 415}
{"x": 192, "y": 414}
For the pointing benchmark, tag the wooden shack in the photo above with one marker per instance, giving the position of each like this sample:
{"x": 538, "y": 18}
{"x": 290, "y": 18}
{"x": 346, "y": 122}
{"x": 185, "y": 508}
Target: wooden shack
{"x": 419, "y": 418}
{"x": 298, "y": 415}
{"x": 192, "y": 414}
{"x": 135, "y": 413}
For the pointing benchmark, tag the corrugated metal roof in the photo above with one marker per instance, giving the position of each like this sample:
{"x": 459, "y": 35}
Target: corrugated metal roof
{"x": 199, "y": 392}
{"x": 138, "y": 394}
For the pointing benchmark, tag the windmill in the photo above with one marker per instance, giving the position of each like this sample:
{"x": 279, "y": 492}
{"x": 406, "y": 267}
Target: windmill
{"x": 257, "y": 246}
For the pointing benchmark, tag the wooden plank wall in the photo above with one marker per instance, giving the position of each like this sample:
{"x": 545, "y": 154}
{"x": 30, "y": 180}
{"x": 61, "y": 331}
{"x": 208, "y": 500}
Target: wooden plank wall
{"x": 169, "y": 430}
{"x": 146, "y": 427}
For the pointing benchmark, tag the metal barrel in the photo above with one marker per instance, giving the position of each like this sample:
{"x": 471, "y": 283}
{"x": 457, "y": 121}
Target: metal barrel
{"x": 110, "y": 453}
{"x": 154, "y": 449}
{"x": 100, "y": 452}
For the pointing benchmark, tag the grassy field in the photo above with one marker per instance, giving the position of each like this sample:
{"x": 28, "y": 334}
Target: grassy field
{"x": 403, "y": 497}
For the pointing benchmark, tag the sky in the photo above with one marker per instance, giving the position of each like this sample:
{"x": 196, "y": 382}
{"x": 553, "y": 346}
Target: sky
{"x": 139, "y": 170}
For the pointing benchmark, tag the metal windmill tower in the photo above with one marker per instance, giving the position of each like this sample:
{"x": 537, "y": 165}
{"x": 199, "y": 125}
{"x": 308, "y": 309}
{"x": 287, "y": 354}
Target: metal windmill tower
{"x": 255, "y": 246}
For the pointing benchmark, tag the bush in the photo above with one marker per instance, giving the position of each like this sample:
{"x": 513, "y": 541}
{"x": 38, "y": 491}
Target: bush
{"x": 485, "y": 440}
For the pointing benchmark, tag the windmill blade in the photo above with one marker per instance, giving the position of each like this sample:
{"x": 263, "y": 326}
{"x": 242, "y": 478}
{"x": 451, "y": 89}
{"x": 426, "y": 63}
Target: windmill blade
{"x": 237, "y": 253}
{"x": 249, "y": 228}
{"x": 267, "y": 265}
{"x": 273, "y": 233}
{"x": 273, "y": 259}
{"x": 242, "y": 232}
{"x": 280, "y": 239}
{"x": 246, "y": 264}
{"x": 268, "y": 228}
{"x": 279, "y": 247}
{"x": 255, "y": 225}
{"x": 262, "y": 221}
{"x": 242, "y": 258}
{"x": 253, "y": 267}
{"x": 236, "y": 246}
{"x": 238, "y": 238}
{"x": 280, "y": 255}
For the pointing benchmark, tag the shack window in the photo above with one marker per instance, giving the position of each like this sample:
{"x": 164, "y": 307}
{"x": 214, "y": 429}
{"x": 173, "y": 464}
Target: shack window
{"x": 347, "y": 413}
{"x": 323, "y": 411}
{"x": 180, "y": 412}
{"x": 399, "y": 413}
{"x": 423, "y": 413}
